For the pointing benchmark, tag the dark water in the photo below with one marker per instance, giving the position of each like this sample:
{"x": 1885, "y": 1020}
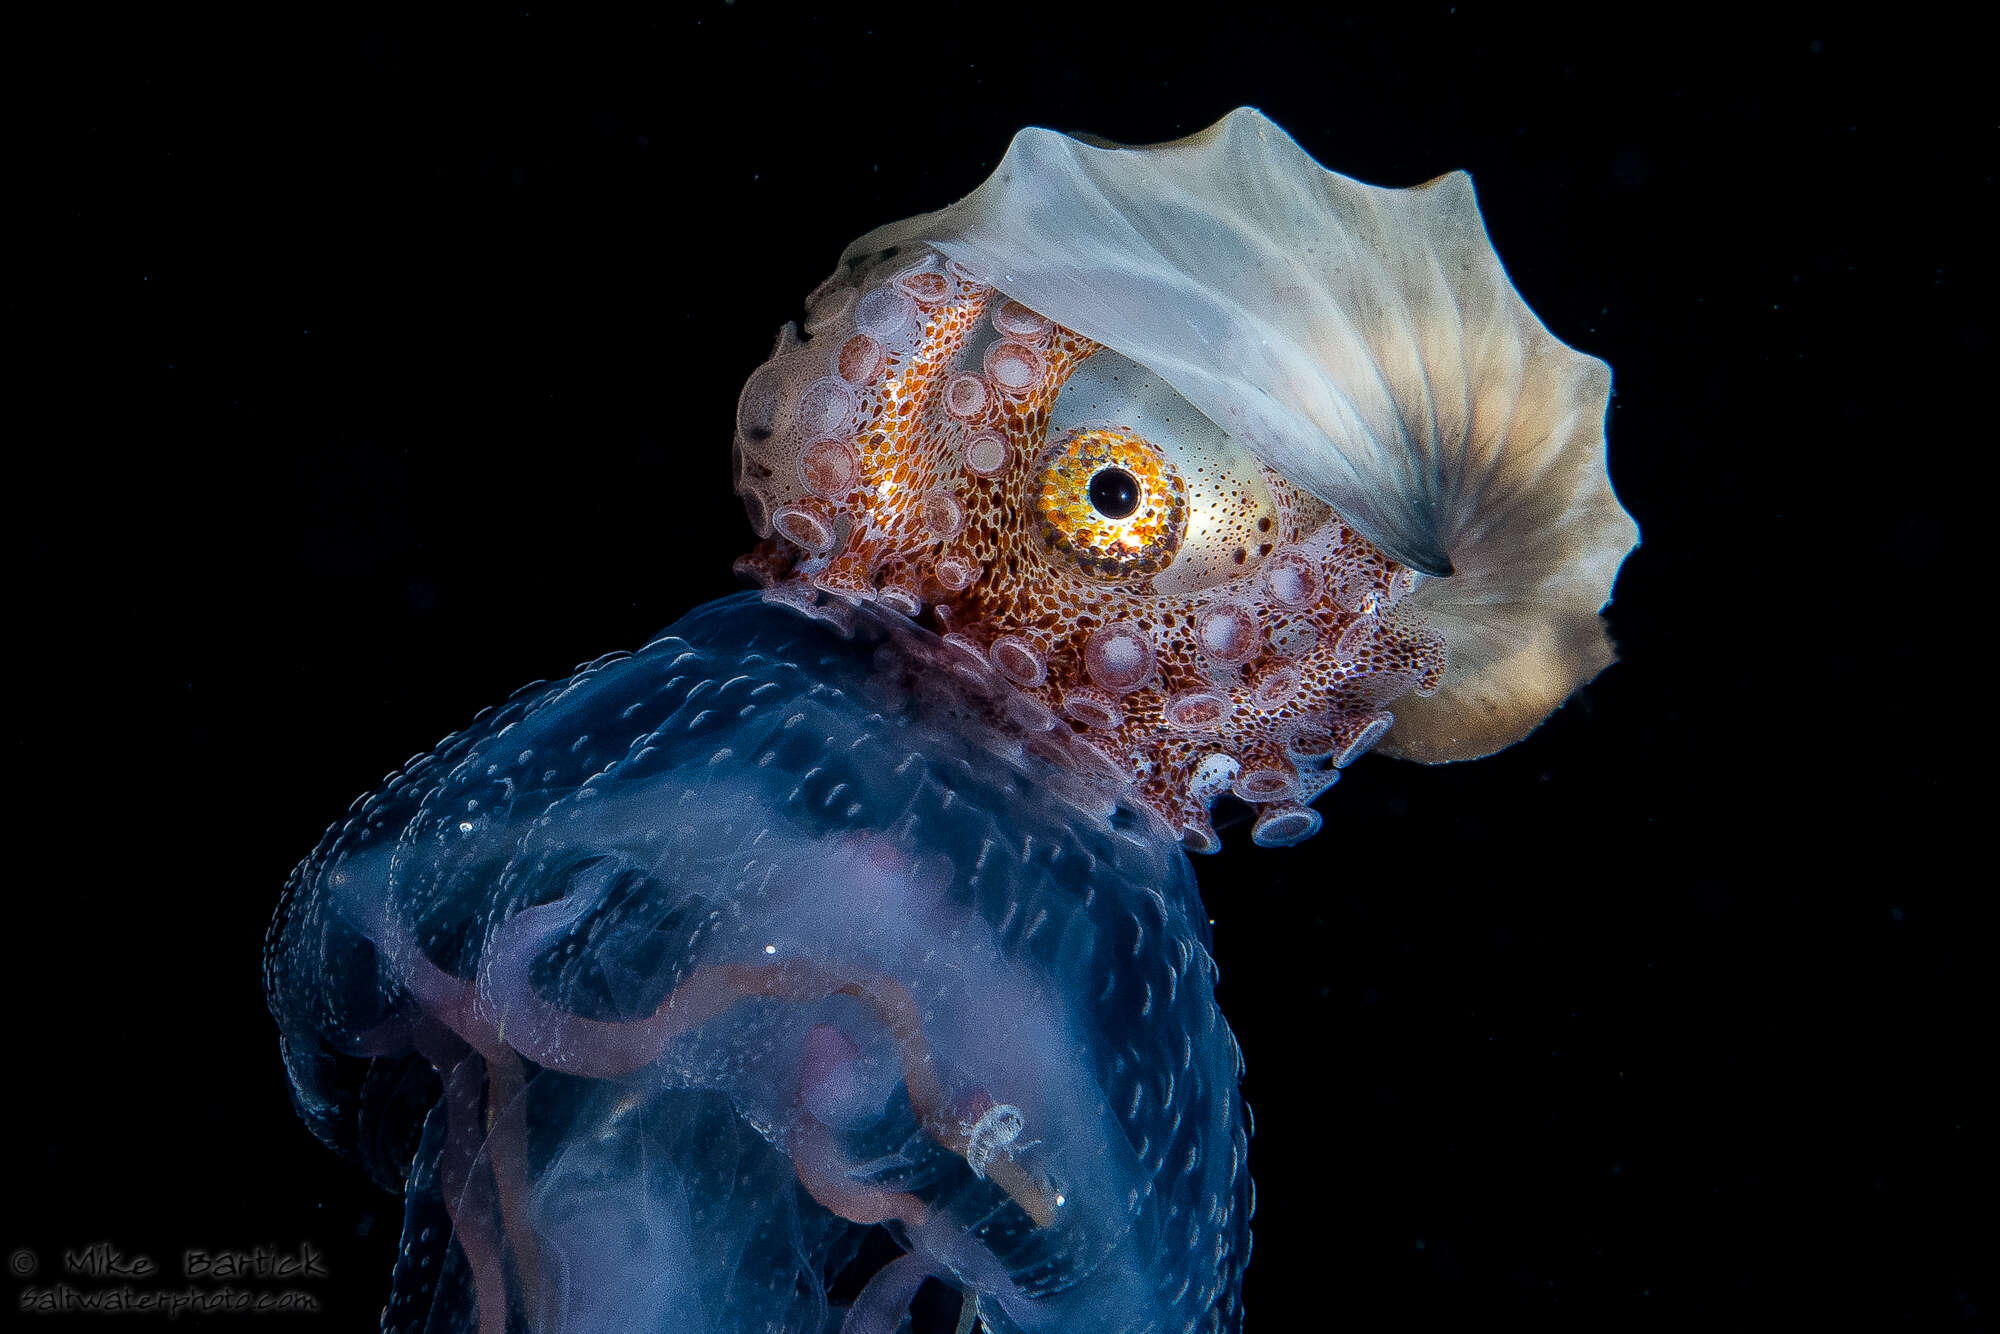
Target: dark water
{"x": 376, "y": 368}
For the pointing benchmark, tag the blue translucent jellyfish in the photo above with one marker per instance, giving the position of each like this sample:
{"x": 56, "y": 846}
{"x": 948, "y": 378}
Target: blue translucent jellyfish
{"x": 677, "y": 977}
{"x": 852, "y": 919}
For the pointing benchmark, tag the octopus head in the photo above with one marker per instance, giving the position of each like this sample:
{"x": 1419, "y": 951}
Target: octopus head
{"x": 1231, "y": 467}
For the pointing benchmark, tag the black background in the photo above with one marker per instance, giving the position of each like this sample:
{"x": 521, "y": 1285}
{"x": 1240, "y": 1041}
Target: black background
{"x": 368, "y": 369}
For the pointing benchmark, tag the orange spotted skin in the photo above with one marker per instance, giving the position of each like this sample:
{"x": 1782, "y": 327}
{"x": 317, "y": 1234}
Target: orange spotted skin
{"x": 943, "y": 499}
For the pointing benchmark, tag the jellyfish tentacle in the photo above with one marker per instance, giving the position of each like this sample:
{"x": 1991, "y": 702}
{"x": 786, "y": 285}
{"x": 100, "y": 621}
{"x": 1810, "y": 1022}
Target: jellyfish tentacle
{"x": 886, "y": 1300}
{"x": 464, "y": 1188}
{"x": 507, "y": 1152}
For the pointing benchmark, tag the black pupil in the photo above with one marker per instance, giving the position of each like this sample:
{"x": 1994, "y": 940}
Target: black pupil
{"x": 1114, "y": 493}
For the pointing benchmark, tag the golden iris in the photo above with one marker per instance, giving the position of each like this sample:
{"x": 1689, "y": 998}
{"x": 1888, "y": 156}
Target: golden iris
{"x": 1111, "y": 504}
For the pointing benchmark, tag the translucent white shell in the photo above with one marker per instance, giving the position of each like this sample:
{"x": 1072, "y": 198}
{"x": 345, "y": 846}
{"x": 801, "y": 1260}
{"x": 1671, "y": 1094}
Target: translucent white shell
{"x": 1364, "y": 342}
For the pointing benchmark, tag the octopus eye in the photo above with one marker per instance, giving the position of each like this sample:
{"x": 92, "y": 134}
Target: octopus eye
{"x": 1128, "y": 443}
{"x": 1108, "y": 501}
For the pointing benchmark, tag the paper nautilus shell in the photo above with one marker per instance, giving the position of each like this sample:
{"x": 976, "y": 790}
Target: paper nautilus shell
{"x": 1232, "y": 466}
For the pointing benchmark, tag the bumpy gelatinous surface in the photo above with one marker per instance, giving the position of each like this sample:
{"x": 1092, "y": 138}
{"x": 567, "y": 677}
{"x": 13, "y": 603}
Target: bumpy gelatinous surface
{"x": 663, "y": 984}
{"x": 1063, "y": 514}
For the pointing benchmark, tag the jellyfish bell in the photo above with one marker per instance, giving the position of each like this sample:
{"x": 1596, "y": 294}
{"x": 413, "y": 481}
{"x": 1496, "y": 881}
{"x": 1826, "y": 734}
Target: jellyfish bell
{"x": 1297, "y": 437}
{"x": 657, "y": 990}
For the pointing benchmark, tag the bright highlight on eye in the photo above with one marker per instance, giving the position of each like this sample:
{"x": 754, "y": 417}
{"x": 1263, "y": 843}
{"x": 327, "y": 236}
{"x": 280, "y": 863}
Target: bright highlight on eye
{"x": 1110, "y": 503}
